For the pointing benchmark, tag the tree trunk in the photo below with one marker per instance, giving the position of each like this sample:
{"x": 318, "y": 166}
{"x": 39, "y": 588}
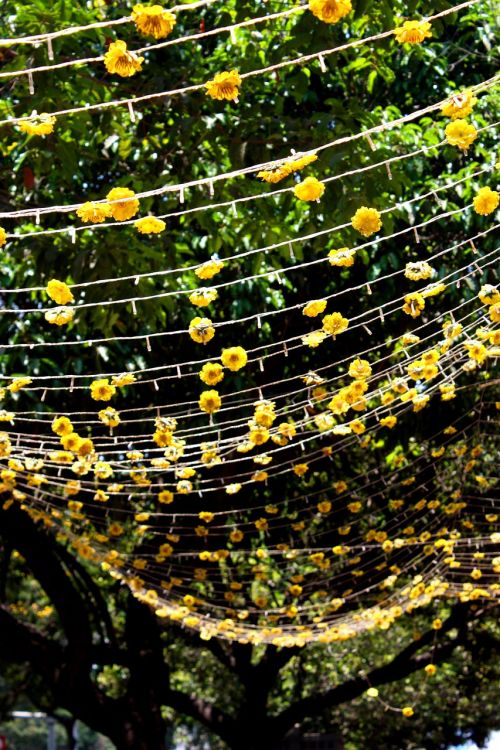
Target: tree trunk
{"x": 139, "y": 732}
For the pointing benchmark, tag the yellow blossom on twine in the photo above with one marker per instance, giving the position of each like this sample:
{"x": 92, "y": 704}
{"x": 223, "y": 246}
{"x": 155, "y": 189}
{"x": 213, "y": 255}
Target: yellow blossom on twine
{"x": 201, "y": 330}
{"x": 309, "y": 189}
{"x": 210, "y": 401}
{"x": 102, "y": 390}
{"x": 414, "y": 304}
{"x": 389, "y": 421}
{"x": 314, "y": 308}
{"x": 62, "y": 426}
{"x": 59, "y": 292}
{"x": 418, "y": 270}
{"x": 203, "y": 297}
{"x": 366, "y": 221}
{"x": 109, "y": 416}
{"x": 42, "y": 124}
{"x": 153, "y": 20}
{"x": 234, "y": 358}
{"x": 94, "y": 213}
{"x": 294, "y": 164}
{"x": 126, "y": 378}
{"x": 209, "y": 269}
{"x": 224, "y": 86}
{"x": 489, "y": 294}
{"x": 59, "y": 316}
{"x": 118, "y": 59}
{"x": 359, "y": 369}
{"x": 3, "y": 236}
{"x": 413, "y": 32}
{"x": 344, "y": 257}
{"x": 335, "y": 324}
{"x": 211, "y": 373}
{"x": 460, "y": 133}
{"x": 486, "y": 201}
{"x": 124, "y": 205}
{"x": 459, "y": 105}
{"x": 149, "y": 225}
{"x": 330, "y": 11}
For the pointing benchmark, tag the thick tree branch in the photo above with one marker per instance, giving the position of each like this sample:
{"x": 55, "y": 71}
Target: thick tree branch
{"x": 401, "y": 666}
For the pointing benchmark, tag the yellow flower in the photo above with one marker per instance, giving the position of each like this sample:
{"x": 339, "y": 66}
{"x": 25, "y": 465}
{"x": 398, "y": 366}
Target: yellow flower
{"x": 294, "y": 164}
{"x": 59, "y": 292}
{"x": 300, "y": 469}
{"x": 414, "y": 304}
{"x": 165, "y": 497}
{"x": 125, "y": 378}
{"x": 330, "y": 11}
{"x": 486, "y": 201}
{"x": 201, "y": 330}
{"x": 210, "y": 402}
{"x": 153, "y": 20}
{"x": 224, "y": 85}
{"x": 430, "y": 669}
{"x": 343, "y": 257}
{"x": 489, "y": 294}
{"x": 366, "y": 221}
{"x": 313, "y": 339}
{"x": 211, "y": 373}
{"x": 3, "y": 236}
{"x": 118, "y": 59}
{"x": 309, "y": 189}
{"x": 149, "y": 225}
{"x": 418, "y": 271}
{"x": 234, "y": 358}
{"x": 62, "y": 426}
{"x": 95, "y": 213}
{"x": 232, "y": 489}
{"x": 70, "y": 441}
{"x": 109, "y": 417}
{"x": 102, "y": 390}
{"x": 432, "y": 290}
{"x": 359, "y": 369}
{"x": 17, "y": 384}
{"x": 388, "y": 422}
{"x": 407, "y": 711}
{"x": 372, "y": 692}
{"x": 357, "y": 427}
{"x": 206, "y": 516}
{"x": 203, "y": 297}
{"x": 460, "y": 133}
{"x": 38, "y": 125}
{"x": 494, "y": 313}
{"x": 459, "y": 105}
{"x": 209, "y": 269}
{"x": 335, "y": 324}
{"x": 59, "y": 316}
{"x": 324, "y": 506}
{"x": 124, "y": 207}
{"x": 413, "y": 32}
{"x": 314, "y": 308}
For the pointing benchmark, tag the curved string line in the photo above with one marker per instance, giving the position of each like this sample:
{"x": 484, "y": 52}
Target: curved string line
{"x": 180, "y": 187}
{"x": 200, "y": 86}
{"x": 152, "y": 47}
{"x": 213, "y": 206}
{"x": 146, "y": 298}
{"x": 278, "y": 345}
{"x": 89, "y": 486}
{"x": 39, "y": 38}
{"x": 376, "y": 411}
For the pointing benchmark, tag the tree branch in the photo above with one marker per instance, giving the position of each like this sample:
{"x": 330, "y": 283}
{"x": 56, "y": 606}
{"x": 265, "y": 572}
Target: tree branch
{"x": 401, "y": 666}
